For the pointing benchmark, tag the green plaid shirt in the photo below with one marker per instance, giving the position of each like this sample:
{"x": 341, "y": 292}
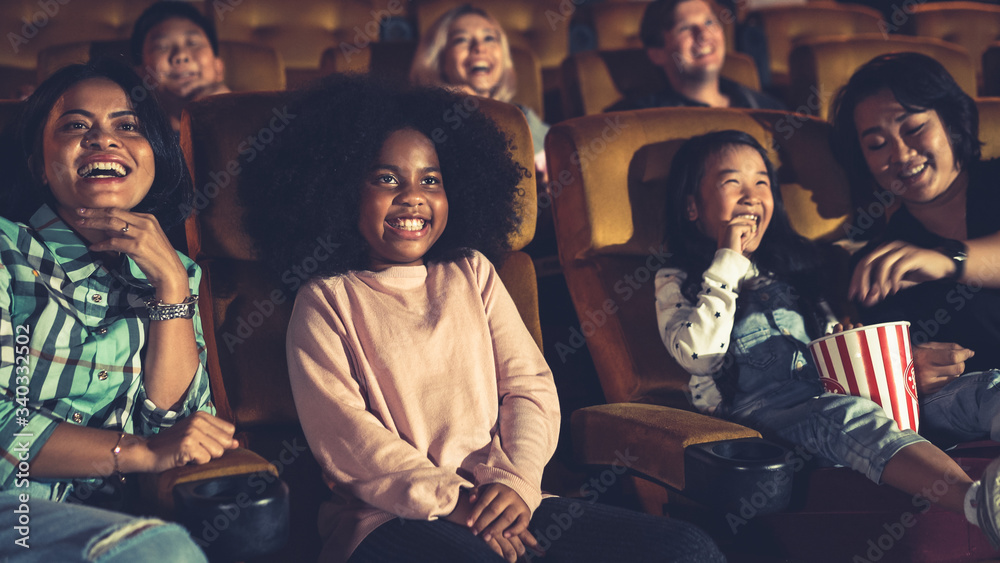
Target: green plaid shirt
{"x": 72, "y": 337}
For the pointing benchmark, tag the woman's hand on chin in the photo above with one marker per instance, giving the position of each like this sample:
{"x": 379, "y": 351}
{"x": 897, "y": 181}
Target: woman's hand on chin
{"x": 895, "y": 266}
{"x": 140, "y": 236}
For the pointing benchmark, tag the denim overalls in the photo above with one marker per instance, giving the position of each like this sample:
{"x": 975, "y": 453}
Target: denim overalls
{"x": 771, "y": 384}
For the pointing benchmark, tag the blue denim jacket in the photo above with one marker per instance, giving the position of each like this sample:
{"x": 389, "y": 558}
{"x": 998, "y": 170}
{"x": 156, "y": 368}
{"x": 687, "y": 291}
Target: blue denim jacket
{"x": 768, "y": 364}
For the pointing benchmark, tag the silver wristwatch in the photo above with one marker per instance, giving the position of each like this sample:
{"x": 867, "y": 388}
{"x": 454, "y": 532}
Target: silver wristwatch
{"x": 159, "y": 311}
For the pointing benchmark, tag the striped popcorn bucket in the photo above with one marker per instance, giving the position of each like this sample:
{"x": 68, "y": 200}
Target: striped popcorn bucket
{"x": 874, "y": 362}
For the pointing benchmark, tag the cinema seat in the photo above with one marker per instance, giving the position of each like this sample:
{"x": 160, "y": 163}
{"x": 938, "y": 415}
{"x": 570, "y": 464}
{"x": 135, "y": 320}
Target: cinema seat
{"x": 785, "y": 26}
{"x": 594, "y": 80}
{"x": 607, "y": 197}
{"x": 393, "y": 58}
{"x": 821, "y": 66}
{"x": 299, "y": 31}
{"x": 249, "y": 66}
{"x": 246, "y": 310}
{"x": 991, "y": 70}
{"x": 972, "y": 25}
{"x": 989, "y": 126}
{"x": 31, "y": 25}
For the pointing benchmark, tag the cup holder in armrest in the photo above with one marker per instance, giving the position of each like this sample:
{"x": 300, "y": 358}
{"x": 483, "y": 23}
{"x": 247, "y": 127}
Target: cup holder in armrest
{"x": 732, "y": 474}
{"x": 235, "y": 517}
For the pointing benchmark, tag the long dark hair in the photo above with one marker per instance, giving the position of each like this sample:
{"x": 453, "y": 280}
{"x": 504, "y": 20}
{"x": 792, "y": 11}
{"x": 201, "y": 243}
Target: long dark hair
{"x": 21, "y": 145}
{"x": 919, "y": 83}
{"x": 782, "y": 252}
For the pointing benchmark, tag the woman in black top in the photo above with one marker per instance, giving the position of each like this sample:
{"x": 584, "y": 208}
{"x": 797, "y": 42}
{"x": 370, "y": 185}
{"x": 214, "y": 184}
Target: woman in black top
{"x": 910, "y": 138}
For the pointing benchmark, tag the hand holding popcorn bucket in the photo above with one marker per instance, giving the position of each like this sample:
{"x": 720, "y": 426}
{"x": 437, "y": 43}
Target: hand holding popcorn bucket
{"x": 874, "y": 362}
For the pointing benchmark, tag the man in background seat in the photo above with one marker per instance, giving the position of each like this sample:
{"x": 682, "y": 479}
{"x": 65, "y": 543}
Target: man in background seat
{"x": 685, "y": 38}
{"x": 175, "y": 46}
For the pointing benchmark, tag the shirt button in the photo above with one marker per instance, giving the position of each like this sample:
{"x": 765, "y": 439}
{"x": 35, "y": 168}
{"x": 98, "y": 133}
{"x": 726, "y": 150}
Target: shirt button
{"x": 101, "y": 331}
{"x": 102, "y": 375}
{"x": 785, "y": 331}
{"x": 77, "y": 417}
{"x": 764, "y": 297}
{"x": 96, "y": 298}
{"x": 799, "y": 365}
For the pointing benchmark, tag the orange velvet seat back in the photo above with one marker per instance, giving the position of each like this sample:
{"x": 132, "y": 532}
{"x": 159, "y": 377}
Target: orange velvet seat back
{"x": 972, "y": 25}
{"x": 30, "y": 25}
{"x": 785, "y": 26}
{"x": 821, "y": 66}
{"x": 608, "y": 175}
{"x": 594, "y": 80}
{"x": 300, "y": 31}
{"x": 249, "y": 66}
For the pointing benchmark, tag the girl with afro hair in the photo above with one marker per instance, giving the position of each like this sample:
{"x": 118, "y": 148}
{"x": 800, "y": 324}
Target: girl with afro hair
{"x": 420, "y": 391}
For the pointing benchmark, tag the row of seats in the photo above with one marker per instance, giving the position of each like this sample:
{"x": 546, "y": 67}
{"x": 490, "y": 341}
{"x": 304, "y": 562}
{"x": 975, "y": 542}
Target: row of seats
{"x": 591, "y": 80}
{"x": 607, "y": 178}
{"x": 307, "y": 41}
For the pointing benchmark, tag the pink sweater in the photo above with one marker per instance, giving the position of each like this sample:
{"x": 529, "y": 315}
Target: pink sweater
{"x": 412, "y": 383}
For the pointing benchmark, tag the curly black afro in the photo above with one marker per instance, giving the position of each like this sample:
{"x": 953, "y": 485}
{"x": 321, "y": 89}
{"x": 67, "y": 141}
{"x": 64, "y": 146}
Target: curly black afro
{"x": 305, "y": 190}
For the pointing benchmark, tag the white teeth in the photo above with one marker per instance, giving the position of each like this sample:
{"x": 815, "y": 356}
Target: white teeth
{"x": 913, "y": 171}
{"x": 102, "y": 169}
{"x": 408, "y": 224}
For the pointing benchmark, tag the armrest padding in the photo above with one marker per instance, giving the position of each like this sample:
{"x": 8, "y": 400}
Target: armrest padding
{"x": 233, "y": 462}
{"x": 648, "y": 439}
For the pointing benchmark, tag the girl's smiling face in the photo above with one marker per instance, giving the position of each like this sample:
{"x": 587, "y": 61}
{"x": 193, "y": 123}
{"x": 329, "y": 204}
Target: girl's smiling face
{"x": 404, "y": 209}
{"x": 907, "y": 152}
{"x": 93, "y": 153}
{"x": 735, "y": 188}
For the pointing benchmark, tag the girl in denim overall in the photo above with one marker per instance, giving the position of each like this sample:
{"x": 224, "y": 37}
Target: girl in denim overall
{"x": 738, "y": 308}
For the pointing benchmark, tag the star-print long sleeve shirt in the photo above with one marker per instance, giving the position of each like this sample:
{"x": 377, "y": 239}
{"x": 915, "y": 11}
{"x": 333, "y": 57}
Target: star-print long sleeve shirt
{"x": 697, "y": 334}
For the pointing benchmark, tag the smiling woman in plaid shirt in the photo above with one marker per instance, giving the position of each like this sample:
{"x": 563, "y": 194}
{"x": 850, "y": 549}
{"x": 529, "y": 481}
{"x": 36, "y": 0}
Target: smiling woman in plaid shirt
{"x": 101, "y": 355}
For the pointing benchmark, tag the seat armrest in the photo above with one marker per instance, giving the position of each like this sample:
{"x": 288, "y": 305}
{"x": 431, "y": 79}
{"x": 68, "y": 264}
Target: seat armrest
{"x": 647, "y": 439}
{"x": 234, "y": 462}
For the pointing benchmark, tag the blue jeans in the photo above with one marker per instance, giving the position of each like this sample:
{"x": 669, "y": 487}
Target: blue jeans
{"x": 569, "y": 530}
{"x": 777, "y": 389}
{"x": 966, "y": 409}
{"x": 67, "y": 533}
